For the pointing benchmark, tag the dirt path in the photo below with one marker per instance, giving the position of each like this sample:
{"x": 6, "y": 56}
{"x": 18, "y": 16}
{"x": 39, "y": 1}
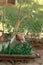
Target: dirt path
{"x": 38, "y": 61}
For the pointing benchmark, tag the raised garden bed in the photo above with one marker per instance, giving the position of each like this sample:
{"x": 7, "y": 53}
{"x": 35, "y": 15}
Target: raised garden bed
{"x": 18, "y": 52}
{"x": 17, "y": 57}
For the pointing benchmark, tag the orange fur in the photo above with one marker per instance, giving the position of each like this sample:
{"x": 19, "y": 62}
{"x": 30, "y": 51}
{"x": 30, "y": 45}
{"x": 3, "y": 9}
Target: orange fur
{"x": 20, "y": 37}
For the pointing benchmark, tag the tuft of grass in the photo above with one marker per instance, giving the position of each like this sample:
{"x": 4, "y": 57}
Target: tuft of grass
{"x": 18, "y": 49}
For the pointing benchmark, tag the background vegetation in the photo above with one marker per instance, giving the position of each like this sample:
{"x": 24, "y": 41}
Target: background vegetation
{"x": 32, "y": 8}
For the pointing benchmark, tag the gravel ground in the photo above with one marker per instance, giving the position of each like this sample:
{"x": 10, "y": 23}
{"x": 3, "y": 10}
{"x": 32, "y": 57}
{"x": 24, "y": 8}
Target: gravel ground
{"x": 37, "y": 61}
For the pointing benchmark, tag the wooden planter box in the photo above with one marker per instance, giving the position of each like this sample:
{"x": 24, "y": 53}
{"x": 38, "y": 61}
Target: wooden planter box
{"x": 17, "y": 57}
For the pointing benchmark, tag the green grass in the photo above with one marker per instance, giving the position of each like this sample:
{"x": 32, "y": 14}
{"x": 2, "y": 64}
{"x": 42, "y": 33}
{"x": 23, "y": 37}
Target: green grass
{"x": 17, "y": 49}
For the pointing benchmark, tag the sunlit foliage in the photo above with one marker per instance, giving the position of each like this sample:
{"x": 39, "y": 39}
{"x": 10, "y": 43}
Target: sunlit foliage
{"x": 32, "y": 8}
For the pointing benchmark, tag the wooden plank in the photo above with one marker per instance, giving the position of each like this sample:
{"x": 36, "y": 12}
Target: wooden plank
{"x": 15, "y": 57}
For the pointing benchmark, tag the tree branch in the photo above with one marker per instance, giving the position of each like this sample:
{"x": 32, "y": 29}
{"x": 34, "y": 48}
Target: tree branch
{"x": 18, "y": 22}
